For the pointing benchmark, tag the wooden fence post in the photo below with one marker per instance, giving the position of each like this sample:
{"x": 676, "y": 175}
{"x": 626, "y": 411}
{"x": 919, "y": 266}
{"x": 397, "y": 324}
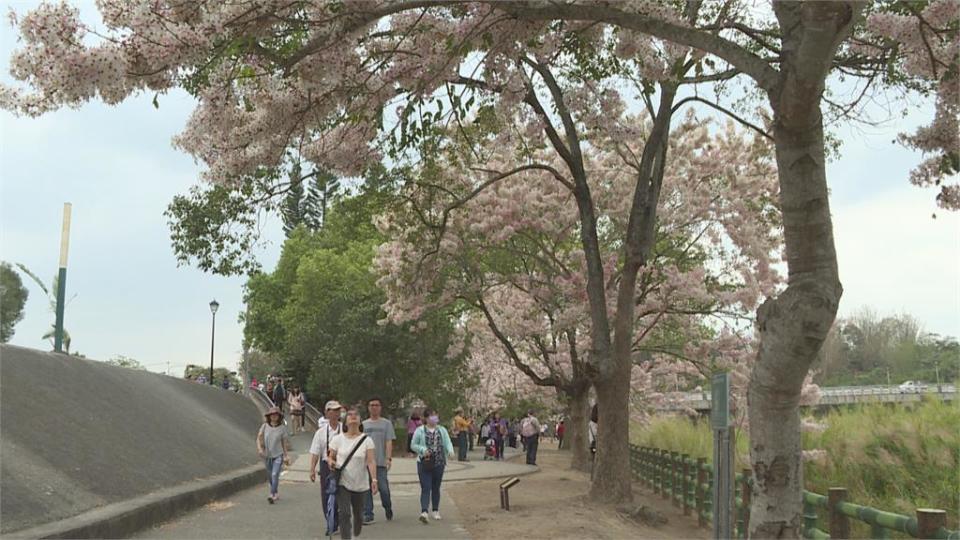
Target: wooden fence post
{"x": 674, "y": 477}
{"x": 685, "y": 493}
{"x": 929, "y": 521}
{"x": 665, "y": 469}
{"x": 655, "y": 463}
{"x": 745, "y": 492}
{"x": 701, "y": 480}
{"x": 839, "y": 523}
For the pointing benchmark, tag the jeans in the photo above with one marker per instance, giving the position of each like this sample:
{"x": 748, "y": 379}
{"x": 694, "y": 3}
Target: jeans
{"x": 462, "y": 445}
{"x": 384, "y": 487}
{"x": 531, "y": 443}
{"x": 325, "y": 473}
{"x": 499, "y": 447}
{"x": 430, "y": 486}
{"x": 350, "y": 503}
{"x": 274, "y": 464}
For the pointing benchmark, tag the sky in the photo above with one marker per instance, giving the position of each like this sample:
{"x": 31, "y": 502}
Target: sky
{"x": 117, "y": 166}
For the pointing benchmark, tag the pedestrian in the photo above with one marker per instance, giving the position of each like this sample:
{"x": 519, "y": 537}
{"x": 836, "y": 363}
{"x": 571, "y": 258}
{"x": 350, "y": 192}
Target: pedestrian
{"x": 530, "y": 430}
{"x": 296, "y": 402}
{"x": 382, "y": 433}
{"x": 561, "y": 429}
{"x": 412, "y": 424}
{"x": 498, "y": 430}
{"x": 273, "y": 443}
{"x": 352, "y": 457}
{"x": 485, "y": 431}
{"x": 279, "y": 394}
{"x": 329, "y": 427}
{"x": 254, "y": 383}
{"x": 592, "y": 428}
{"x": 471, "y": 432}
{"x": 225, "y": 384}
{"x": 431, "y": 443}
{"x": 461, "y": 431}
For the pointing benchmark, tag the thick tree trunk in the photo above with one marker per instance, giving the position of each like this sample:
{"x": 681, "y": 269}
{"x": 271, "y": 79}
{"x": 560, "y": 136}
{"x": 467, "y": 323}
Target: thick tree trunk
{"x": 611, "y": 476}
{"x": 794, "y": 325}
{"x": 575, "y": 438}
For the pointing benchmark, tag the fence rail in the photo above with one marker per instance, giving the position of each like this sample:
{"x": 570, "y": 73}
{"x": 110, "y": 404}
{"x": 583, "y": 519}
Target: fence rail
{"x": 688, "y": 483}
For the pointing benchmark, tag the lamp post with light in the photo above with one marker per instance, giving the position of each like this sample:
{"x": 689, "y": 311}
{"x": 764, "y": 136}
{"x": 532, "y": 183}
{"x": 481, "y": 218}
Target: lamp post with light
{"x": 213, "y": 331}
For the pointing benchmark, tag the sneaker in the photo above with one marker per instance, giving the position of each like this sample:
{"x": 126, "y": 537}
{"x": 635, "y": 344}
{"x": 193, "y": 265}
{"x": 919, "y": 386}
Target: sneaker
{"x": 389, "y": 515}
{"x": 270, "y": 499}
{"x": 436, "y": 515}
{"x": 369, "y": 521}
{"x": 423, "y": 517}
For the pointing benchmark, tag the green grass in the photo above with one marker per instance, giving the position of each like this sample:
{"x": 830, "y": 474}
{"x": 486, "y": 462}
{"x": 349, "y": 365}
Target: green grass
{"x": 894, "y": 458}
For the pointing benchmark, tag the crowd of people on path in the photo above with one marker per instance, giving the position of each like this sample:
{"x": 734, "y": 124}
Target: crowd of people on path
{"x": 352, "y": 456}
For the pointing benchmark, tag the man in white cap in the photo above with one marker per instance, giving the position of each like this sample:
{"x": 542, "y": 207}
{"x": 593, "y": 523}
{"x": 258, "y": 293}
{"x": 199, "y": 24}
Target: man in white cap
{"x": 329, "y": 428}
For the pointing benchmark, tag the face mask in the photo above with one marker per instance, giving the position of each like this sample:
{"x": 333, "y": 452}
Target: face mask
{"x": 434, "y": 419}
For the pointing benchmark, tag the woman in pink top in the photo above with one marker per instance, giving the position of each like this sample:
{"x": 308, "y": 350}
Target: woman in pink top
{"x": 412, "y": 424}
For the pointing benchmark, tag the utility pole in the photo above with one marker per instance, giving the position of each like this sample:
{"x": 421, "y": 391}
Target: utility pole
{"x": 62, "y": 278}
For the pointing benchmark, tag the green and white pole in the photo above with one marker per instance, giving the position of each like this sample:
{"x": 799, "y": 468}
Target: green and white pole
{"x": 62, "y": 278}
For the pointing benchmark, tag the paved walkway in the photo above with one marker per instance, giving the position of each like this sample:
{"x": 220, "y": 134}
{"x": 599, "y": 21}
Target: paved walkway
{"x": 298, "y": 515}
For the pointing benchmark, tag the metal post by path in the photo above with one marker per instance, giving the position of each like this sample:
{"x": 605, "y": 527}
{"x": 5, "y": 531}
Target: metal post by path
{"x": 723, "y": 457}
{"x": 62, "y": 278}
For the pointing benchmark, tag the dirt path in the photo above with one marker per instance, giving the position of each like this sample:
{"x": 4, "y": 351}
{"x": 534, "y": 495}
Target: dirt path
{"x": 552, "y": 504}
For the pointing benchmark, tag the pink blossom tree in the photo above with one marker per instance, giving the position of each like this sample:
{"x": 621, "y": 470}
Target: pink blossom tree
{"x": 320, "y": 78}
{"x": 510, "y": 252}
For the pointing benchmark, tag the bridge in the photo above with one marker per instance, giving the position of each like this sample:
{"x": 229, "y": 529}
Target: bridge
{"x": 830, "y": 397}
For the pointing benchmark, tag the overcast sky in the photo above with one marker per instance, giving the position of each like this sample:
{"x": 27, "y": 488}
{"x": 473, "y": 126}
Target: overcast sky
{"x": 118, "y": 168}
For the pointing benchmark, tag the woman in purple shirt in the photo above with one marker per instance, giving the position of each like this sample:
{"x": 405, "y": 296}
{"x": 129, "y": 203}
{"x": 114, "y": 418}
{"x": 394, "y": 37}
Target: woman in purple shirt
{"x": 412, "y": 424}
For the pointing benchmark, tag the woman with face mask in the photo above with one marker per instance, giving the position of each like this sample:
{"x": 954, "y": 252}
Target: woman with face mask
{"x": 431, "y": 443}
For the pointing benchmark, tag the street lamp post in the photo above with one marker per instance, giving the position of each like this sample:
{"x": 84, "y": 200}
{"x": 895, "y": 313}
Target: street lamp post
{"x": 213, "y": 332}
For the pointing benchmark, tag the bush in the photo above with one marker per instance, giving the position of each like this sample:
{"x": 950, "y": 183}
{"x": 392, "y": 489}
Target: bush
{"x": 892, "y": 457}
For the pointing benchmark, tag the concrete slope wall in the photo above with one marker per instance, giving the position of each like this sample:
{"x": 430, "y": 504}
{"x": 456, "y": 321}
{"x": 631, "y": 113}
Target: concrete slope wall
{"x": 77, "y": 434}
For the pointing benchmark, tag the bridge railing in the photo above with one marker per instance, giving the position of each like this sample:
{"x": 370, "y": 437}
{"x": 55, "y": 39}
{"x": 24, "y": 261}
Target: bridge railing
{"x": 830, "y": 395}
{"x": 688, "y": 483}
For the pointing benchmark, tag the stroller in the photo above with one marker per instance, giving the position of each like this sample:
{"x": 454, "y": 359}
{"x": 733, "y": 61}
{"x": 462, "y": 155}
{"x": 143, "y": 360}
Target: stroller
{"x": 491, "y": 449}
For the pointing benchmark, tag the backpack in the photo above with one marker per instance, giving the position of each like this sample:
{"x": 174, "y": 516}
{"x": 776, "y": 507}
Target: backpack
{"x": 526, "y": 427}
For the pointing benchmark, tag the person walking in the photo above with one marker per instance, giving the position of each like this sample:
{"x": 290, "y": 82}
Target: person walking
{"x": 329, "y": 427}
{"x": 431, "y": 443}
{"x": 484, "y": 432}
{"x": 561, "y": 429}
{"x": 279, "y": 395}
{"x": 461, "y": 431}
{"x": 412, "y": 424}
{"x": 296, "y": 402}
{"x": 471, "y": 432}
{"x": 381, "y": 431}
{"x": 351, "y": 455}
{"x": 498, "y": 431}
{"x": 530, "y": 431}
{"x": 273, "y": 443}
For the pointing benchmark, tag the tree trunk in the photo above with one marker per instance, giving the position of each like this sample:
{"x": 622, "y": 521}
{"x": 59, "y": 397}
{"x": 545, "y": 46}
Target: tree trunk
{"x": 793, "y": 326}
{"x": 575, "y": 438}
{"x": 611, "y": 476}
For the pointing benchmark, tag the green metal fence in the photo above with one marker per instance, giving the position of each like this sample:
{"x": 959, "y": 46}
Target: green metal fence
{"x": 688, "y": 483}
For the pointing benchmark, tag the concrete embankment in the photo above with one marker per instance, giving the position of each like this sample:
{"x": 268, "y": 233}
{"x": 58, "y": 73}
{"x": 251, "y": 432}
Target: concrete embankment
{"x": 79, "y": 438}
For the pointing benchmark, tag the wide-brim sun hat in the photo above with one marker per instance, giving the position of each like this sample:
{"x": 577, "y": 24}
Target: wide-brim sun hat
{"x": 273, "y": 410}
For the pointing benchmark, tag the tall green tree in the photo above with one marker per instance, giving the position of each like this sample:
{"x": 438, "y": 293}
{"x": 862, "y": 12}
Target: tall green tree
{"x": 13, "y": 296}
{"x": 320, "y": 312}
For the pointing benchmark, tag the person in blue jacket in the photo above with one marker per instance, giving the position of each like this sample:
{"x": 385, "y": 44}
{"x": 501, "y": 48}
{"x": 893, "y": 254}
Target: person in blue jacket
{"x": 431, "y": 443}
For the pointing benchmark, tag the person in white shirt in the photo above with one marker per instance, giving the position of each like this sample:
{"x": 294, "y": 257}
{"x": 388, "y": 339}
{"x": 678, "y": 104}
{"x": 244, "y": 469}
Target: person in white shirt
{"x": 328, "y": 429}
{"x": 357, "y": 476}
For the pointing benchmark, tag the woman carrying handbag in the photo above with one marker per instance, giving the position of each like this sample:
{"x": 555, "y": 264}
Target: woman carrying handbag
{"x": 351, "y": 479}
{"x": 432, "y": 444}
